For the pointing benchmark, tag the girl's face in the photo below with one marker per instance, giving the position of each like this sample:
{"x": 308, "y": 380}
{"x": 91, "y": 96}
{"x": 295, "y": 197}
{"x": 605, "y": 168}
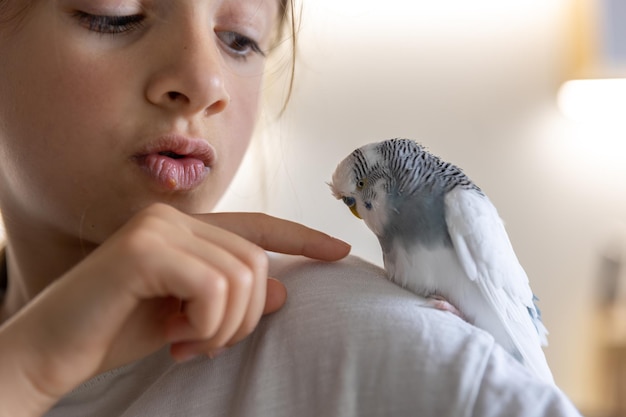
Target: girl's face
{"x": 109, "y": 105}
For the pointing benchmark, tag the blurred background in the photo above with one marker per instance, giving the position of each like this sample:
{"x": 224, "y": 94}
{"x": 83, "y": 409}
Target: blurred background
{"x": 493, "y": 86}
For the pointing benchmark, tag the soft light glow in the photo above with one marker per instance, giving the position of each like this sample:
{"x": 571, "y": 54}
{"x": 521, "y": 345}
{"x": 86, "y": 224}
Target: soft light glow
{"x": 355, "y": 19}
{"x": 594, "y": 101}
{"x": 400, "y": 8}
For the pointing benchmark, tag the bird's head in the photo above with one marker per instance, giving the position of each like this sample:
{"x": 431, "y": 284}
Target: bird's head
{"x": 360, "y": 182}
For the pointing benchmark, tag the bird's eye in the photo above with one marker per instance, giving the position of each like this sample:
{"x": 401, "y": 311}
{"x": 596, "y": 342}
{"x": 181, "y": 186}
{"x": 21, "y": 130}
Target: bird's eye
{"x": 360, "y": 184}
{"x": 349, "y": 201}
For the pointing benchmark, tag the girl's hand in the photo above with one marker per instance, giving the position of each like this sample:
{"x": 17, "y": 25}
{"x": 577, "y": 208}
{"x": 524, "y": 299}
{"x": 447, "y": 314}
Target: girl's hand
{"x": 197, "y": 282}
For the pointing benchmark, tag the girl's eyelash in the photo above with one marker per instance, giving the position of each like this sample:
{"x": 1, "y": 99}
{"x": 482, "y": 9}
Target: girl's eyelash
{"x": 239, "y": 45}
{"x": 109, "y": 24}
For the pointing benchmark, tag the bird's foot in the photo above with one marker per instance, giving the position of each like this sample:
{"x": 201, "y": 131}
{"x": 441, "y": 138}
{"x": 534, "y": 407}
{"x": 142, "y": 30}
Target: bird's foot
{"x": 440, "y": 303}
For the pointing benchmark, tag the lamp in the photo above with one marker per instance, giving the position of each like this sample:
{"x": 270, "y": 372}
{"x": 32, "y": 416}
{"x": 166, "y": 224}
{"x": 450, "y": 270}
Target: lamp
{"x": 595, "y": 90}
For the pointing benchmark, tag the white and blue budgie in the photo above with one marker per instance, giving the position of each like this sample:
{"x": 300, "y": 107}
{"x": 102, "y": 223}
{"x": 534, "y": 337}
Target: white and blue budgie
{"x": 442, "y": 237}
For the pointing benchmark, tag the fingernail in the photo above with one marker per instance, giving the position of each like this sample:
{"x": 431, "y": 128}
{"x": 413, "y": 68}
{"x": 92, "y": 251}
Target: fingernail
{"x": 342, "y": 243}
{"x": 186, "y": 357}
{"x": 215, "y": 353}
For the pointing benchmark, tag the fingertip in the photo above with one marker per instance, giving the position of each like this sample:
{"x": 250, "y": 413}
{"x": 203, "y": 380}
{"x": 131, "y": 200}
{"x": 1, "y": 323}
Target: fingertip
{"x": 275, "y": 297}
{"x": 343, "y": 248}
{"x": 181, "y": 354}
{"x": 328, "y": 249}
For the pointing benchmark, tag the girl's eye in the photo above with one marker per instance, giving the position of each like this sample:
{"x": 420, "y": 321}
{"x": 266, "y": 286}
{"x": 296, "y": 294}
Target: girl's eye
{"x": 239, "y": 45}
{"x": 109, "y": 24}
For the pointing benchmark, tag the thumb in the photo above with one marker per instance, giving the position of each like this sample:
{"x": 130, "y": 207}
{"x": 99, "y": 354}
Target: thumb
{"x": 275, "y": 296}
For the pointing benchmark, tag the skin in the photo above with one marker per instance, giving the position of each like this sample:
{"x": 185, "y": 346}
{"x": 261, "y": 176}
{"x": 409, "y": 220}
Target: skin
{"x": 105, "y": 265}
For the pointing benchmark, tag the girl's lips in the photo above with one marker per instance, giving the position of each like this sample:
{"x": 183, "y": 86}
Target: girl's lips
{"x": 174, "y": 174}
{"x": 177, "y": 162}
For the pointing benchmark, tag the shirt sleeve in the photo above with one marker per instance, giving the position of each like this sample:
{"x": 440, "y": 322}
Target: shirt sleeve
{"x": 506, "y": 389}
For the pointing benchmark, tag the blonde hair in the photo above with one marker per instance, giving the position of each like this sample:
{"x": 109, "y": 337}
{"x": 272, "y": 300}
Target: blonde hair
{"x": 288, "y": 21}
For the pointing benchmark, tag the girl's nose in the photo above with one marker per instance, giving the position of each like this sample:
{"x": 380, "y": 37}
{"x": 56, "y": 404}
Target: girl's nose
{"x": 189, "y": 77}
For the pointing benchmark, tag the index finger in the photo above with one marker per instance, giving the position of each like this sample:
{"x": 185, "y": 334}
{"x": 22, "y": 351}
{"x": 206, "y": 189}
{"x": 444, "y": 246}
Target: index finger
{"x": 279, "y": 235}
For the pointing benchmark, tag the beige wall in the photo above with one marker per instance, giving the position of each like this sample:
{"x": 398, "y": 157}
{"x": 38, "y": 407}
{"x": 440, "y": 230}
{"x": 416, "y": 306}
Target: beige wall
{"x": 476, "y": 81}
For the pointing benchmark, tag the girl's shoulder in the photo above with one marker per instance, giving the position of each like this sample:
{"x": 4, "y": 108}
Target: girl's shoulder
{"x": 348, "y": 342}
{"x": 354, "y": 294}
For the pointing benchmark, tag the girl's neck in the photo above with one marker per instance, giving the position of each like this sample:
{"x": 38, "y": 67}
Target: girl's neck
{"x": 3, "y": 282}
{"x": 30, "y": 266}
{"x": 3, "y": 273}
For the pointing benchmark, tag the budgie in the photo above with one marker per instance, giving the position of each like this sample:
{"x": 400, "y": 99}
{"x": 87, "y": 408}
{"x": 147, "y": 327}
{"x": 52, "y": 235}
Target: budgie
{"x": 442, "y": 238}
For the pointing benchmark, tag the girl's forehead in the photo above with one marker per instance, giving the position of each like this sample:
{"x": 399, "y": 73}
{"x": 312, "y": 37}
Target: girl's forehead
{"x": 10, "y": 8}
{"x": 251, "y": 9}
{"x": 270, "y": 12}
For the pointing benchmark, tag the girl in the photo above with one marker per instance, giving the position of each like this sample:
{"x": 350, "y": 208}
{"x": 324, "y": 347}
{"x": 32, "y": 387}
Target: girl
{"x": 120, "y": 119}
{"x": 111, "y": 109}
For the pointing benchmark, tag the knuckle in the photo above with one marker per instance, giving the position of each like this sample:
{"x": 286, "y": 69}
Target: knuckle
{"x": 140, "y": 242}
{"x": 248, "y": 326}
{"x": 158, "y": 210}
{"x": 210, "y": 317}
{"x": 257, "y": 259}
{"x": 243, "y": 278}
{"x": 207, "y": 331}
{"x": 217, "y": 286}
{"x": 138, "y": 251}
{"x": 263, "y": 218}
{"x": 214, "y": 291}
{"x": 264, "y": 222}
{"x": 217, "y": 340}
{"x": 151, "y": 218}
{"x": 148, "y": 228}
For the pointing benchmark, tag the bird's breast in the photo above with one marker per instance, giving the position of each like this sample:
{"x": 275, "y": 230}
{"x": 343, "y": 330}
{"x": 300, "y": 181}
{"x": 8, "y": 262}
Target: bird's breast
{"x": 423, "y": 269}
{"x": 431, "y": 270}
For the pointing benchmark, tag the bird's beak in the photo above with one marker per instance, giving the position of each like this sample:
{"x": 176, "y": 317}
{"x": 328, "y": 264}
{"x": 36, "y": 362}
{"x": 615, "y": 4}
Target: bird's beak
{"x": 355, "y": 212}
{"x": 351, "y": 203}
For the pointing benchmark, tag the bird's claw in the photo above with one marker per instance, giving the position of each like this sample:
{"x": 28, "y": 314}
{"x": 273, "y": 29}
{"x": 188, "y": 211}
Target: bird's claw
{"x": 440, "y": 303}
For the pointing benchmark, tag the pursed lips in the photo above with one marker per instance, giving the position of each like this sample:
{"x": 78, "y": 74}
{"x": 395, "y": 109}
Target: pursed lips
{"x": 177, "y": 163}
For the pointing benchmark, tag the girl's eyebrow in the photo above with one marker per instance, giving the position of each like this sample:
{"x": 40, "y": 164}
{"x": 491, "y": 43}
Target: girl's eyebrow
{"x": 261, "y": 14}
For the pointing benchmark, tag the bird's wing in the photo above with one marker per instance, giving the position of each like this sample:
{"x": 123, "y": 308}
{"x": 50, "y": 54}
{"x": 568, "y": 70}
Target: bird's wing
{"x": 485, "y": 253}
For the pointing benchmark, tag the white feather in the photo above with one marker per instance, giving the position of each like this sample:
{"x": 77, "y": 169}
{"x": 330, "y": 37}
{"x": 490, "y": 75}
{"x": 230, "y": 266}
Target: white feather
{"x": 479, "y": 273}
{"x": 487, "y": 258}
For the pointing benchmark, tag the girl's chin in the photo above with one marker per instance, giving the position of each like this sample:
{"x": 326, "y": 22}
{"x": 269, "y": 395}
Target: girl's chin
{"x": 97, "y": 224}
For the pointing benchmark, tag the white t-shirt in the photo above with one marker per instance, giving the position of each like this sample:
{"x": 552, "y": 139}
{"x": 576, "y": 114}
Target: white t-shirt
{"x": 347, "y": 343}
